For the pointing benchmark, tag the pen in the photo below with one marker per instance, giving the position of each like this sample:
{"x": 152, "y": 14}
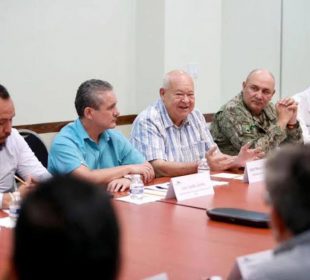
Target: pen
{"x": 19, "y": 179}
{"x": 161, "y": 188}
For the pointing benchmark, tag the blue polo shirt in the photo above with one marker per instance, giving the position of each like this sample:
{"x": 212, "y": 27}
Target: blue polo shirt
{"x": 72, "y": 147}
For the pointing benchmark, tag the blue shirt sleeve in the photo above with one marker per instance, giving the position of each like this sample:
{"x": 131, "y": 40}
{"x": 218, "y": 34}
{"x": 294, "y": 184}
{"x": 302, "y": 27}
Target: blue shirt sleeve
{"x": 65, "y": 156}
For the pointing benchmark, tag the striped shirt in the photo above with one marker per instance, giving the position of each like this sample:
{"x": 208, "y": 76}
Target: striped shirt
{"x": 156, "y": 137}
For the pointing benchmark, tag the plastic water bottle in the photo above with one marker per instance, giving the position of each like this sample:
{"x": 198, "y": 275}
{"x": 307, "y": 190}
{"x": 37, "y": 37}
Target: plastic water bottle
{"x": 14, "y": 207}
{"x": 136, "y": 187}
{"x": 203, "y": 166}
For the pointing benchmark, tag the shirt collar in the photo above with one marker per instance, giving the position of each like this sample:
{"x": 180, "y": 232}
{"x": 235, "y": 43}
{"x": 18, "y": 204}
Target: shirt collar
{"x": 81, "y": 130}
{"x": 105, "y": 136}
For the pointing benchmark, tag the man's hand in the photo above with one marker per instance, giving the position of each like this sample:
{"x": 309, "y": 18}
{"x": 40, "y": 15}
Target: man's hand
{"x": 145, "y": 169}
{"x": 247, "y": 154}
{"x": 28, "y": 186}
{"x": 287, "y": 112}
{"x": 119, "y": 185}
{"x": 218, "y": 161}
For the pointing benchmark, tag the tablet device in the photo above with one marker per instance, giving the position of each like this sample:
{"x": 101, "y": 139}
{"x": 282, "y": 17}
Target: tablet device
{"x": 239, "y": 216}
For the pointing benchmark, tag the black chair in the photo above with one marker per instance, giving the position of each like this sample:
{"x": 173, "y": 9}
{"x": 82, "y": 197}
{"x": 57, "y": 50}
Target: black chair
{"x": 36, "y": 144}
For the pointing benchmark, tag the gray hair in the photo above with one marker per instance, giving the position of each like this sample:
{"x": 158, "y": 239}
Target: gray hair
{"x": 288, "y": 186}
{"x": 88, "y": 95}
{"x": 168, "y": 77}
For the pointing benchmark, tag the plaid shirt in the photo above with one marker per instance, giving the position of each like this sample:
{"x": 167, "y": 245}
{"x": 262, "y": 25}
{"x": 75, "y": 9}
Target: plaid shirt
{"x": 156, "y": 137}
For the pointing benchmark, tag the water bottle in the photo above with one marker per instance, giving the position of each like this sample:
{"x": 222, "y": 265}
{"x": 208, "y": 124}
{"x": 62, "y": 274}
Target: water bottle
{"x": 136, "y": 187}
{"x": 14, "y": 207}
{"x": 203, "y": 166}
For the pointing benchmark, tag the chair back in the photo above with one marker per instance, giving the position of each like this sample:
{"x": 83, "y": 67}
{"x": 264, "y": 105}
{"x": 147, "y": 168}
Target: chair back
{"x": 36, "y": 144}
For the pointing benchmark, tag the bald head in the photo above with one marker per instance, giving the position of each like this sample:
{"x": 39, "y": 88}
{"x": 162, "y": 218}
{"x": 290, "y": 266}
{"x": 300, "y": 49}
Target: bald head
{"x": 260, "y": 72}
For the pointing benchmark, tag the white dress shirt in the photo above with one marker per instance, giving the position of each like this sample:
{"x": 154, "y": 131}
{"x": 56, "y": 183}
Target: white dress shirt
{"x": 17, "y": 157}
{"x": 303, "y": 113}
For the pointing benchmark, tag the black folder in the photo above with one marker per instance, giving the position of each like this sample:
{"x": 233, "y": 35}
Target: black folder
{"x": 239, "y": 216}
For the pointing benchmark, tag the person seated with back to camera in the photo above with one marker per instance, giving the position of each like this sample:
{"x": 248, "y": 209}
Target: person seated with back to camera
{"x": 288, "y": 195}
{"x": 67, "y": 229}
{"x": 90, "y": 148}
{"x": 173, "y": 136}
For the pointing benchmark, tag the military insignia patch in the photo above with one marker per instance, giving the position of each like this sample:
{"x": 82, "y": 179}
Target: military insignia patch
{"x": 247, "y": 128}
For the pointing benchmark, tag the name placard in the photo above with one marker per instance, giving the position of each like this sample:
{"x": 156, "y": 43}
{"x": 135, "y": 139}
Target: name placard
{"x": 254, "y": 171}
{"x": 190, "y": 186}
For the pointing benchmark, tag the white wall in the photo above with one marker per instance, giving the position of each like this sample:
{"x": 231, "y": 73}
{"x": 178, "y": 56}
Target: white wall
{"x": 193, "y": 36}
{"x": 49, "y": 47}
{"x": 150, "y": 52}
{"x": 296, "y": 46}
{"x": 250, "y": 40}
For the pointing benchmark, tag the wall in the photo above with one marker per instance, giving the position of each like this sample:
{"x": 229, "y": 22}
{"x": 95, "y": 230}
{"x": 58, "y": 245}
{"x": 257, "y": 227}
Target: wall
{"x": 150, "y": 52}
{"x": 49, "y": 47}
{"x": 193, "y": 36}
{"x": 251, "y": 36}
{"x": 296, "y": 46}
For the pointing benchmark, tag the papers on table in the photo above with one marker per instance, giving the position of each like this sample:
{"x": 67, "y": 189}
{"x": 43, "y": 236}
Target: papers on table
{"x": 151, "y": 193}
{"x": 161, "y": 276}
{"x": 146, "y": 199}
{"x": 7, "y": 222}
{"x": 160, "y": 191}
{"x": 228, "y": 176}
{"x": 219, "y": 183}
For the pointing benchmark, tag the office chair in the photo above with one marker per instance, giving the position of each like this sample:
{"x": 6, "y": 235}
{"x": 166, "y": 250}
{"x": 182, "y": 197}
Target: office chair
{"x": 36, "y": 144}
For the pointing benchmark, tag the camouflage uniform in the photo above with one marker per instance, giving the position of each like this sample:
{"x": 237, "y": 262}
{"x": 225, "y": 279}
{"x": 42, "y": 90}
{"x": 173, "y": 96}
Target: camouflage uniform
{"x": 234, "y": 125}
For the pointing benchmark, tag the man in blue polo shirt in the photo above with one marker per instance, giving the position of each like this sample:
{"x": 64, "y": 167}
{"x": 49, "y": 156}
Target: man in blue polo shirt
{"x": 90, "y": 149}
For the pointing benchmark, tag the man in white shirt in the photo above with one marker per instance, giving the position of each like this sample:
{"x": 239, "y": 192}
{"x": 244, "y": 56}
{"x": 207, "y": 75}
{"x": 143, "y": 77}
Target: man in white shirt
{"x": 303, "y": 113}
{"x": 15, "y": 155}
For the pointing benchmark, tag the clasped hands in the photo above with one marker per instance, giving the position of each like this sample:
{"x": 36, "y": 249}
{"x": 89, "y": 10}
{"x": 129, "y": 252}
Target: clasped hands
{"x": 287, "y": 112}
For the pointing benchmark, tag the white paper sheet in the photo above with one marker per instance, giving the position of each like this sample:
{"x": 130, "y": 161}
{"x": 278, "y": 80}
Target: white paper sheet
{"x": 228, "y": 176}
{"x": 161, "y": 276}
{"x": 219, "y": 183}
{"x": 147, "y": 198}
{"x": 7, "y": 222}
